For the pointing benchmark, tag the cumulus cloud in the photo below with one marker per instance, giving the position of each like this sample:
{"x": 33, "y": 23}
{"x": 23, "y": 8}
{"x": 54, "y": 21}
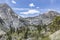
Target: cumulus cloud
{"x": 31, "y": 5}
{"x": 31, "y": 11}
{"x": 13, "y": 2}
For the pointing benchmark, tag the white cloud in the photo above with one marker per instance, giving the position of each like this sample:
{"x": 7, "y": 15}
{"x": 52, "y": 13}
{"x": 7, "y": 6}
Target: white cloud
{"x": 31, "y": 11}
{"x": 31, "y": 5}
{"x": 13, "y": 2}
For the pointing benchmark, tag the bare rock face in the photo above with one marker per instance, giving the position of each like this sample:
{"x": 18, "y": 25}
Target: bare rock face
{"x": 55, "y": 36}
{"x": 10, "y": 18}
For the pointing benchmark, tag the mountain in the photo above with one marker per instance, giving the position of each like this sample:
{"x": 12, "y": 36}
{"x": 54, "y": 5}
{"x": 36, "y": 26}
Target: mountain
{"x": 28, "y": 28}
{"x": 9, "y": 18}
{"x": 44, "y": 18}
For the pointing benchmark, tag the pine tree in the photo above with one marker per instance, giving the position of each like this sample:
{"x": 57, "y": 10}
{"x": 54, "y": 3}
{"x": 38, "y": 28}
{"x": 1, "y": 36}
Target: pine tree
{"x": 55, "y": 25}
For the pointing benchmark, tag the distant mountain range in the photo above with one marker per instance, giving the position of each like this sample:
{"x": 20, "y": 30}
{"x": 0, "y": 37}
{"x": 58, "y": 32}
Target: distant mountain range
{"x": 44, "y": 18}
{"x": 9, "y": 18}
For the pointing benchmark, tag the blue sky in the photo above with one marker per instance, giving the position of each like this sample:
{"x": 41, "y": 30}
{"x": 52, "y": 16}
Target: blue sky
{"x": 27, "y": 8}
